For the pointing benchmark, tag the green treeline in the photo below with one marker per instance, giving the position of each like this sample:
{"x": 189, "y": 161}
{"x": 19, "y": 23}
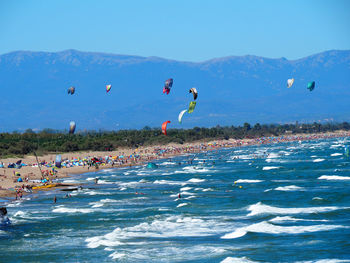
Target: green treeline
{"x": 56, "y": 141}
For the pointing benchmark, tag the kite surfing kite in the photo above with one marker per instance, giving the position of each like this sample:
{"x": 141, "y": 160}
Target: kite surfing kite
{"x": 194, "y": 92}
{"x": 72, "y": 127}
{"x": 108, "y": 88}
{"x": 181, "y": 114}
{"x": 311, "y": 85}
{"x": 191, "y": 107}
{"x": 290, "y": 83}
{"x": 71, "y": 90}
{"x": 164, "y": 125}
{"x": 167, "y": 86}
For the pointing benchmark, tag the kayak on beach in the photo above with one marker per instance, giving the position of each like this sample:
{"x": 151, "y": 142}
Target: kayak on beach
{"x": 45, "y": 186}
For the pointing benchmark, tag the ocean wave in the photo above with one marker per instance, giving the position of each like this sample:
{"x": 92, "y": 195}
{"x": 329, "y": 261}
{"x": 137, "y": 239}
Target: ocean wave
{"x": 196, "y": 180}
{"x": 266, "y": 168}
{"x": 259, "y": 208}
{"x": 163, "y": 253}
{"x": 318, "y": 160}
{"x": 182, "y": 204}
{"x": 28, "y": 215}
{"x": 336, "y": 154}
{"x": 325, "y": 261}
{"x": 207, "y": 190}
{"x": 248, "y": 181}
{"x": 290, "y": 188}
{"x": 172, "y": 226}
{"x": 167, "y": 163}
{"x": 333, "y": 177}
{"x": 102, "y": 202}
{"x": 72, "y": 210}
{"x": 237, "y": 260}
{"x": 193, "y": 170}
{"x": 281, "y": 219}
{"x": 267, "y": 228}
{"x": 169, "y": 182}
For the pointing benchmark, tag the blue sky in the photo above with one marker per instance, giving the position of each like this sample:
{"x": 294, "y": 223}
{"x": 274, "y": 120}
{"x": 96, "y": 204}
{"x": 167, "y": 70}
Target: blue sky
{"x": 187, "y": 30}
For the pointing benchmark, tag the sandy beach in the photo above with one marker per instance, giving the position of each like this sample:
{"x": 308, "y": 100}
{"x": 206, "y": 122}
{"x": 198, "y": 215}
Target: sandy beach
{"x": 31, "y": 175}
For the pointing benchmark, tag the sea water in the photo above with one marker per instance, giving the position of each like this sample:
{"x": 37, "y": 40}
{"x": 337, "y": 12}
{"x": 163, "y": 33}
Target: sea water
{"x": 272, "y": 203}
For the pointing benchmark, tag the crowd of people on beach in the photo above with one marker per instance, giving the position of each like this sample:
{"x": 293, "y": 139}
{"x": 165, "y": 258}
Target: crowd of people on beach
{"x": 49, "y": 170}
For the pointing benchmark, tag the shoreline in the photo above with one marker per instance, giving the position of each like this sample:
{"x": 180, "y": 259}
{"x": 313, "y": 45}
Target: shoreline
{"x": 130, "y": 157}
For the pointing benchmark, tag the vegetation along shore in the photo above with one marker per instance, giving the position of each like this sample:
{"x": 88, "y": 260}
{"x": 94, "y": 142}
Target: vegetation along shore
{"x": 27, "y": 160}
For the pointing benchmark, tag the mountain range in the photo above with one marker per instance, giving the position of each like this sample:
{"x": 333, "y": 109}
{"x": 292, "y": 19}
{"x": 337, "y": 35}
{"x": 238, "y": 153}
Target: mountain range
{"x": 231, "y": 90}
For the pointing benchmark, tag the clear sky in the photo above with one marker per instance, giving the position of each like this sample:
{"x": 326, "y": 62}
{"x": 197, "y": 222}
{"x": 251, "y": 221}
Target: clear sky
{"x": 190, "y": 30}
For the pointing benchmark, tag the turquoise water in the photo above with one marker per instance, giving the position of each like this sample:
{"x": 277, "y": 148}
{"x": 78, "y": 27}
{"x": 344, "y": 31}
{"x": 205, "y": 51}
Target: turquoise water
{"x": 293, "y": 206}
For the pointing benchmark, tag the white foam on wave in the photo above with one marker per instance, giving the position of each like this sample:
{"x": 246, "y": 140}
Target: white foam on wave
{"x": 167, "y": 163}
{"x": 72, "y": 210}
{"x": 193, "y": 169}
{"x": 336, "y": 154}
{"x": 183, "y": 193}
{"x": 333, "y": 177}
{"x": 259, "y": 209}
{"x": 164, "y": 252}
{"x": 185, "y": 188}
{"x": 28, "y": 215}
{"x": 266, "y": 168}
{"x": 336, "y": 145}
{"x": 102, "y": 202}
{"x": 117, "y": 255}
{"x": 169, "y": 182}
{"x": 90, "y": 178}
{"x": 196, "y": 180}
{"x": 96, "y": 193}
{"x": 208, "y": 190}
{"x": 327, "y": 260}
{"x": 129, "y": 184}
{"x": 173, "y": 226}
{"x": 100, "y": 181}
{"x": 70, "y": 181}
{"x": 267, "y": 228}
{"x": 143, "y": 181}
{"x": 318, "y": 160}
{"x": 273, "y": 155}
{"x": 290, "y": 188}
{"x": 182, "y": 204}
{"x": 190, "y": 197}
{"x": 248, "y": 181}
{"x": 281, "y": 219}
{"x": 242, "y": 157}
{"x": 237, "y": 260}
